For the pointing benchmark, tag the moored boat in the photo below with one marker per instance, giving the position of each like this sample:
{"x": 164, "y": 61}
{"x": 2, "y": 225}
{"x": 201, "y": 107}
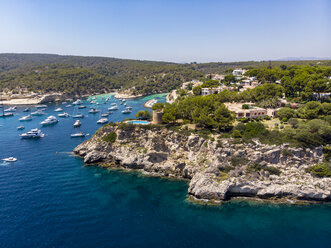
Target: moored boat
{"x": 32, "y": 134}
{"x": 58, "y": 110}
{"x": 50, "y": 120}
{"x": 63, "y": 115}
{"x": 103, "y": 121}
{"x": 77, "y": 123}
{"x": 77, "y": 135}
{"x": 25, "y": 118}
{"x": 78, "y": 116}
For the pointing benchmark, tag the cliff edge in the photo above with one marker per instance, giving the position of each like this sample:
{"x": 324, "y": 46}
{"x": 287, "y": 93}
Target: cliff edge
{"x": 217, "y": 169}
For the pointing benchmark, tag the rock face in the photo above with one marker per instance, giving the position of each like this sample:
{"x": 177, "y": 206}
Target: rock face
{"x": 217, "y": 170}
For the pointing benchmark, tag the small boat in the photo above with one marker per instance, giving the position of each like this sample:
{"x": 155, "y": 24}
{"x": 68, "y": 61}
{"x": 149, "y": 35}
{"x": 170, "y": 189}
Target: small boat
{"x": 102, "y": 121}
{"x": 10, "y": 159}
{"x": 50, "y": 120}
{"x": 68, "y": 106}
{"x": 8, "y": 114}
{"x": 113, "y": 104}
{"x": 77, "y": 135}
{"x": 38, "y": 113}
{"x": 41, "y": 106}
{"x": 32, "y": 134}
{"x": 121, "y": 103}
{"x": 105, "y": 115}
{"x": 77, "y": 102}
{"x": 92, "y": 102}
{"x": 77, "y": 123}
{"x": 58, "y": 110}
{"x": 127, "y": 111}
{"x": 125, "y": 104}
{"x": 64, "y": 103}
{"x": 20, "y": 127}
{"x": 63, "y": 115}
{"x": 82, "y": 107}
{"x": 26, "y": 110}
{"x": 25, "y": 118}
{"x": 128, "y": 107}
{"x": 93, "y": 111}
{"x": 113, "y": 108}
{"x": 11, "y": 109}
{"x": 78, "y": 116}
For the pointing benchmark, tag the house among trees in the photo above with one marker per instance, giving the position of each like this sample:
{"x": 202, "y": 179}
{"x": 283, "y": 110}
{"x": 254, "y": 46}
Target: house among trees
{"x": 246, "y": 110}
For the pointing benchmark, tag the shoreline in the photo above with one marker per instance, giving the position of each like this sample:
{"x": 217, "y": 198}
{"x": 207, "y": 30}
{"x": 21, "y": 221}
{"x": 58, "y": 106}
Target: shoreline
{"x": 146, "y": 150}
{"x": 150, "y": 103}
{"x": 209, "y": 202}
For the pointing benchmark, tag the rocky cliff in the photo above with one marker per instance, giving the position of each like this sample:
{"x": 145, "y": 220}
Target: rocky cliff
{"x": 217, "y": 170}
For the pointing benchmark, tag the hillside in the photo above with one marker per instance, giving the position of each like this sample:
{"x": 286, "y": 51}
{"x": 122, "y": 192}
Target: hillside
{"x": 78, "y": 75}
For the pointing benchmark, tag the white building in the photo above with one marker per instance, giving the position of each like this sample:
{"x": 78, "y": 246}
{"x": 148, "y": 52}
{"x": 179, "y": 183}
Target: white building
{"x": 238, "y": 72}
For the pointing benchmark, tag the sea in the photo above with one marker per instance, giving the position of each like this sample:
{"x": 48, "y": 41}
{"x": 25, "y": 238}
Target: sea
{"x": 48, "y": 198}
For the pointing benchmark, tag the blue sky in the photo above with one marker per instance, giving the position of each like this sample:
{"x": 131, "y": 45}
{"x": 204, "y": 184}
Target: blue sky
{"x": 168, "y": 30}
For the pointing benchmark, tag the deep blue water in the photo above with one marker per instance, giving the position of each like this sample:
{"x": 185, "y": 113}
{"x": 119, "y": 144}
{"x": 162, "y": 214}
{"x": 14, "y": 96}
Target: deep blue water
{"x": 52, "y": 200}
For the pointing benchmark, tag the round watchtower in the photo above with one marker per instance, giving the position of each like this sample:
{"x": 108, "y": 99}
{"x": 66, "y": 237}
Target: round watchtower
{"x": 157, "y": 117}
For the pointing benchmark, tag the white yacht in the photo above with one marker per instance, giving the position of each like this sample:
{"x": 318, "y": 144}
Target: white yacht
{"x": 41, "y": 106}
{"x": 77, "y": 102}
{"x": 77, "y": 123}
{"x": 105, "y": 115}
{"x": 113, "y": 103}
{"x": 7, "y": 114}
{"x": 63, "y": 115}
{"x": 113, "y": 108}
{"x": 49, "y": 121}
{"x": 128, "y": 107}
{"x": 102, "y": 121}
{"x": 93, "y": 111}
{"x": 20, "y": 127}
{"x": 82, "y": 107}
{"x": 68, "y": 106}
{"x": 38, "y": 113}
{"x": 11, "y": 109}
{"x": 78, "y": 116}
{"x": 58, "y": 110}
{"x": 76, "y": 135}
{"x": 26, "y": 110}
{"x": 32, "y": 134}
{"x": 10, "y": 159}
{"x": 127, "y": 111}
{"x": 25, "y": 118}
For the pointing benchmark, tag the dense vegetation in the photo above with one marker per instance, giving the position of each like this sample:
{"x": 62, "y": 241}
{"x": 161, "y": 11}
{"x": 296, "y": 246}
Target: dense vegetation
{"x": 298, "y": 82}
{"x": 87, "y": 75}
{"x": 78, "y": 75}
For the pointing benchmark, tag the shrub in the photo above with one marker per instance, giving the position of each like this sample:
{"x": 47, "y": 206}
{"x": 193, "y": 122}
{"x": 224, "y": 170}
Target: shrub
{"x": 320, "y": 170}
{"x": 245, "y": 106}
{"x": 244, "y": 120}
{"x": 110, "y": 137}
{"x": 158, "y": 106}
{"x": 286, "y": 153}
{"x": 293, "y": 122}
{"x": 267, "y": 117}
{"x": 272, "y": 170}
{"x": 285, "y": 112}
{"x": 238, "y": 161}
{"x": 327, "y": 152}
{"x": 284, "y": 119}
{"x": 236, "y": 134}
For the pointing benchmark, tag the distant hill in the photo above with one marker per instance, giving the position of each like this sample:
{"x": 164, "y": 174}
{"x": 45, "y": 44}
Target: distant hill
{"x": 78, "y": 75}
{"x": 302, "y": 58}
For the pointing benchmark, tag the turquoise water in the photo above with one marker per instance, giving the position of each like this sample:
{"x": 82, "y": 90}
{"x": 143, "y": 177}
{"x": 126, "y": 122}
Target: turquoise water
{"x": 50, "y": 199}
{"x": 138, "y": 122}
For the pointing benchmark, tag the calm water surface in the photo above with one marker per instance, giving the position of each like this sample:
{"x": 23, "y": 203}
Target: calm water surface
{"x": 52, "y": 200}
